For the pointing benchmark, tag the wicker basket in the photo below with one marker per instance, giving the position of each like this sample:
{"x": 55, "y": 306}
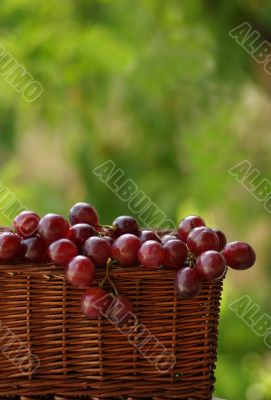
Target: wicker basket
{"x": 48, "y": 348}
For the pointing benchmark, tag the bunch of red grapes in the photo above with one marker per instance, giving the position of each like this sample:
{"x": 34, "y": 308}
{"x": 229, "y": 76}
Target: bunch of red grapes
{"x": 198, "y": 253}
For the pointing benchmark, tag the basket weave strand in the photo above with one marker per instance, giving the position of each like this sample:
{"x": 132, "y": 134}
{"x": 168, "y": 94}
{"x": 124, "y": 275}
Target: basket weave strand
{"x": 82, "y": 358}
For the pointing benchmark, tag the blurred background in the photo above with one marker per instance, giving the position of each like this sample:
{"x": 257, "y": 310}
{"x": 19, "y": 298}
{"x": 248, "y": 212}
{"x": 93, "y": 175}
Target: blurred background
{"x": 161, "y": 89}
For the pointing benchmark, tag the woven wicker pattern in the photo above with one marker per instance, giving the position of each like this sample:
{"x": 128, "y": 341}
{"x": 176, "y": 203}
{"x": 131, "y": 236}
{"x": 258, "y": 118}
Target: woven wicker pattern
{"x": 79, "y": 357}
{"x": 80, "y": 398}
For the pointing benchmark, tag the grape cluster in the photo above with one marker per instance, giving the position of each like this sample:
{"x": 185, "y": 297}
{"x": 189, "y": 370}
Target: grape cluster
{"x": 81, "y": 245}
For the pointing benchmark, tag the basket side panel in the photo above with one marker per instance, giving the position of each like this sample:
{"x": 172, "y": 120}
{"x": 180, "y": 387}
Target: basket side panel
{"x": 168, "y": 348}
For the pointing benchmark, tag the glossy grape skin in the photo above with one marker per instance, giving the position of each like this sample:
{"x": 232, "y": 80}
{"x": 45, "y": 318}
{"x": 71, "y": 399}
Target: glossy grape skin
{"x": 146, "y": 235}
{"x": 94, "y": 302}
{"x": 202, "y": 239}
{"x": 34, "y": 250}
{"x": 125, "y": 224}
{"x": 53, "y": 227}
{"x": 84, "y": 213}
{"x": 188, "y": 283}
{"x": 80, "y": 272}
{"x": 26, "y": 224}
{"x": 222, "y": 239}
{"x": 151, "y": 254}
{"x": 98, "y": 249}
{"x": 125, "y": 249}
{"x": 166, "y": 238}
{"x": 187, "y": 224}
{"x": 62, "y": 251}
{"x": 175, "y": 253}
{"x": 211, "y": 265}
{"x": 10, "y": 246}
{"x": 79, "y": 233}
{"x": 239, "y": 255}
{"x": 120, "y": 310}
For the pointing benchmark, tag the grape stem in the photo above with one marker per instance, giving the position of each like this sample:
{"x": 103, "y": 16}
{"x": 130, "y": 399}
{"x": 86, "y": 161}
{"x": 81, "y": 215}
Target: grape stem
{"x": 101, "y": 234}
{"x": 191, "y": 259}
{"x": 108, "y": 279}
{"x": 105, "y": 226}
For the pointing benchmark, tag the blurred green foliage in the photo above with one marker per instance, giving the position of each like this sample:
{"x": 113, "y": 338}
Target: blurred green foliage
{"x": 160, "y": 88}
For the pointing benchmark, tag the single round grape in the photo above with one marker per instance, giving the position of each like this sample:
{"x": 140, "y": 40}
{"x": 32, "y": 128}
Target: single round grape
{"x": 149, "y": 235}
{"x": 211, "y": 265}
{"x": 120, "y": 310}
{"x": 34, "y": 250}
{"x": 26, "y": 224}
{"x": 222, "y": 239}
{"x": 79, "y": 233}
{"x": 125, "y": 224}
{"x": 98, "y": 249}
{"x": 80, "y": 272}
{"x": 187, "y": 224}
{"x": 62, "y": 251}
{"x": 94, "y": 302}
{"x": 166, "y": 238}
{"x": 202, "y": 239}
{"x": 125, "y": 249}
{"x": 188, "y": 283}
{"x": 84, "y": 213}
{"x": 10, "y": 246}
{"x": 175, "y": 253}
{"x": 53, "y": 227}
{"x": 239, "y": 255}
{"x": 151, "y": 254}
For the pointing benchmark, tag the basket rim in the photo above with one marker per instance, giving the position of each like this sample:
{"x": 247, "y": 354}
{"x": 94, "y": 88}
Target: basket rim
{"x": 50, "y": 268}
{"x": 50, "y": 271}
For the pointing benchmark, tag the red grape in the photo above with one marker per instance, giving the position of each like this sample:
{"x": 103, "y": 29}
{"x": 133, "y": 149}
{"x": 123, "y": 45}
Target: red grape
{"x": 10, "y": 246}
{"x": 239, "y": 255}
{"x": 151, "y": 254}
{"x": 98, "y": 249}
{"x": 84, "y": 213}
{"x": 166, "y": 238}
{"x": 176, "y": 253}
{"x": 62, "y": 251}
{"x": 120, "y": 310}
{"x": 211, "y": 265}
{"x": 187, "y": 224}
{"x": 125, "y": 224}
{"x": 26, "y": 223}
{"x": 80, "y": 272}
{"x": 149, "y": 235}
{"x": 222, "y": 239}
{"x": 53, "y": 227}
{"x": 95, "y": 302}
{"x": 188, "y": 282}
{"x": 79, "y": 233}
{"x": 34, "y": 250}
{"x": 202, "y": 239}
{"x": 125, "y": 249}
